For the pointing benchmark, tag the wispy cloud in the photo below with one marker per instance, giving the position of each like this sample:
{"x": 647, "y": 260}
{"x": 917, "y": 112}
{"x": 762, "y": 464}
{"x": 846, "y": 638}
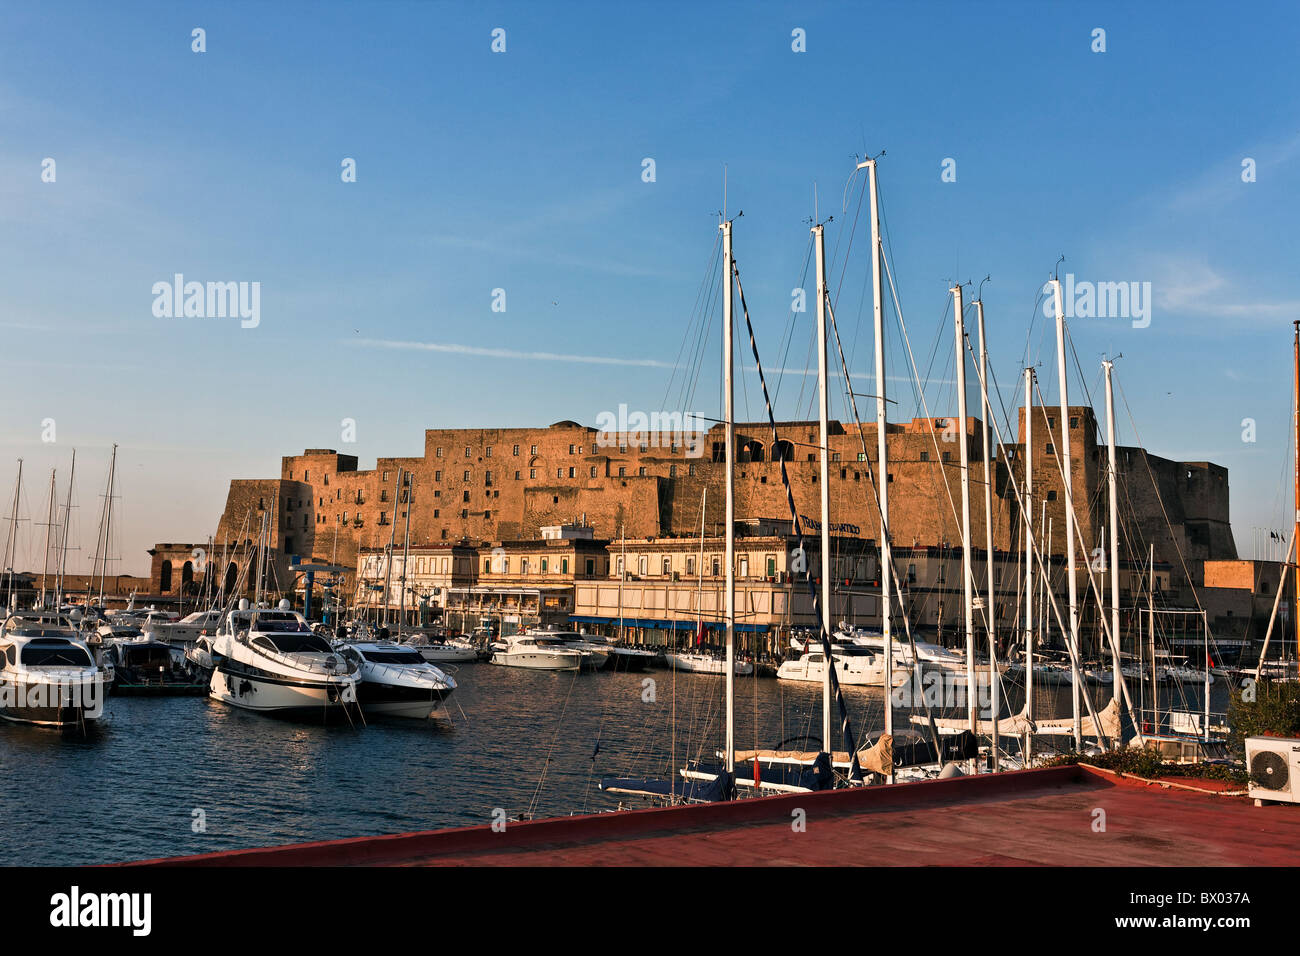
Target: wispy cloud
{"x": 453, "y": 348}
{"x": 1193, "y": 287}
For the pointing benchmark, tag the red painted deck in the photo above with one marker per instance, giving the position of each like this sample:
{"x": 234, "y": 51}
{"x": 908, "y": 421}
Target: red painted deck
{"x": 1033, "y": 817}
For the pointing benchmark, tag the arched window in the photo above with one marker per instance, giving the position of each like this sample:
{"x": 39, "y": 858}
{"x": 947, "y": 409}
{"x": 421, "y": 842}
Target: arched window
{"x": 165, "y": 577}
{"x": 751, "y": 450}
{"x": 783, "y": 451}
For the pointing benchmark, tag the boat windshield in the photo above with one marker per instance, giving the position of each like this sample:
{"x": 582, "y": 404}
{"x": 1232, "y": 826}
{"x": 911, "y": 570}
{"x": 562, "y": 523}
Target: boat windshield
{"x": 393, "y": 657}
{"x": 54, "y": 654}
{"x": 298, "y": 643}
{"x": 145, "y": 655}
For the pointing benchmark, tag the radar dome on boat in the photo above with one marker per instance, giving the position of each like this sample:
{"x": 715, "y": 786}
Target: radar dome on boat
{"x": 243, "y": 604}
{"x": 284, "y": 604}
{"x": 950, "y": 770}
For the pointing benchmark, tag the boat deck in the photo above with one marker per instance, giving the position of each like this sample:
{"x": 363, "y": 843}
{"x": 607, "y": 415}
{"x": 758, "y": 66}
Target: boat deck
{"x": 1039, "y": 817}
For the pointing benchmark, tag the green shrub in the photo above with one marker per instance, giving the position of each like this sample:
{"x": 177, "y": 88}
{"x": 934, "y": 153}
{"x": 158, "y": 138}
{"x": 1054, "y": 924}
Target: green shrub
{"x": 1275, "y": 711}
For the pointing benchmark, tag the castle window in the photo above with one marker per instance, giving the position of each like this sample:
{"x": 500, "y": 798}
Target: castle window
{"x": 544, "y": 565}
{"x": 466, "y": 477}
{"x": 835, "y": 456}
{"x": 1051, "y": 449}
{"x": 622, "y": 472}
{"x": 862, "y": 456}
{"x": 570, "y": 449}
{"x": 532, "y": 472}
{"x": 467, "y": 451}
{"x": 559, "y": 472}
{"x": 438, "y": 452}
{"x": 437, "y": 475}
{"x": 517, "y": 474}
{"x": 516, "y": 450}
{"x": 385, "y": 476}
{"x": 488, "y": 451}
{"x": 1074, "y": 421}
{"x": 1051, "y": 496}
{"x": 591, "y": 567}
{"x": 534, "y": 450}
{"x": 690, "y": 469}
{"x": 593, "y": 471}
{"x": 672, "y": 471}
{"x": 435, "y": 512}
{"x": 641, "y": 471}
{"x": 925, "y": 456}
{"x": 466, "y": 496}
{"x": 572, "y": 472}
{"x": 667, "y": 566}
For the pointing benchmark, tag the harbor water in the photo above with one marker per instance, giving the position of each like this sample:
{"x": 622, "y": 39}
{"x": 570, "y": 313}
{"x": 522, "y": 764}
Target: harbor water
{"x": 171, "y": 776}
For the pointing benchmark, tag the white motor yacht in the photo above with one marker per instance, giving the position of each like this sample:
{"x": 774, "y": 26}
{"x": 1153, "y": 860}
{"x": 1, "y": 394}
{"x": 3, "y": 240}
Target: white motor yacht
{"x": 696, "y": 663}
{"x": 185, "y": 631}
{"x": 48, "y": 675}
{"x": 440, "y": 649}
{"x": 539, "y": 652}
{"x": 595, "y": 653}
{"x": 396, "y": 680}
{"x": 270, "y": 661}
{"x": 854, "y": 666}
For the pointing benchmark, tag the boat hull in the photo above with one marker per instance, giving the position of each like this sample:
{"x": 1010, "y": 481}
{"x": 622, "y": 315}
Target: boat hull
{"x": 537, "y": 662}
{"x": 80, "y": 704}
{"x": 289, "y": 697}
{"x": 392, "y": 700}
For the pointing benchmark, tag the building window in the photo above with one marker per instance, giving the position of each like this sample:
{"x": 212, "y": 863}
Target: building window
{"x": 925, "y": 456}
{"x": 523, "y": 565}
{"x": 690, "y": 564}
{"x": 516, "y": 450}
{"x": 1051, "y": 449}
{"x": 642, "y": 565}
{"x": 591, "y": 567}
{"x": 467, "y": 453}
{"x": 622, "y": 472}
{"x": 544, "y": 564}
{"x": 488, "y": 451}
{"x": 385, "y": 476}
{"x": 534, "y": 450}
{"x": 667, "y": 566}
{"x": 487, "y": 477}
{"x": 465, "y": 496}
{"x": 487, "y": 565}
{"x": 559, "y": 472}
{"x": 435, "y": 512}
{"x": 438, "y": 453}
{"x": 771, "y": 566}
{"x": 835, "y": 456}
{"x": 641, "y": 471}
{"x": 564, "y": 565}
{"x": 1074, "y": 421}
{"x": 717, "y": 567}
{"x": 572, "y": 473}
{"x": 1051, "y": 496}
{"x": 517, "y": 475}
{"x": 947, "y": 456}
{"x": 437, "y": 475}
{"x": 672, "y": 471}
{"x": 690, "y": 469}
{"x": 532, "y": 472}
{"x": 593, "y": 471}
{"x": 570, "y": 449}
{"x": 465, "y": 477}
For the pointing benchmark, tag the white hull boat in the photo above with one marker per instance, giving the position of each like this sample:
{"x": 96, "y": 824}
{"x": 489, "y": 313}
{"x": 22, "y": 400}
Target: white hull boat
{"x": 397, "y": 681}
{"x": 270, "y": 661}
{"x": 707, "y": 664}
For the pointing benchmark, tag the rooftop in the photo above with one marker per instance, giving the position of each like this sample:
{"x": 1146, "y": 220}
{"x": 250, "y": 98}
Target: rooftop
{"x": 1039, "y": 817}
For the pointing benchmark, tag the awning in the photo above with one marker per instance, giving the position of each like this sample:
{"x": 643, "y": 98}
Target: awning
{"x": 658, "y": 624}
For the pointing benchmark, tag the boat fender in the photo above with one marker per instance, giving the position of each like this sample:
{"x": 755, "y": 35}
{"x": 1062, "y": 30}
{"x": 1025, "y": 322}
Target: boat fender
{"x": 949, "y": 771}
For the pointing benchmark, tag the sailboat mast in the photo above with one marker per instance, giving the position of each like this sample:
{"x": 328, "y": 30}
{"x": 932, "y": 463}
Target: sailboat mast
{"x": 1029, "y": 557}
{"x": 49, "y": 528}
{"x": 12, "y": 539}
{"x": 990, "y": 608}
{"x": 406, "y": 556}
{"x": 108, "y": 522}
{"x": 729, "y": 414}
{"x": 966, "y": 579}
{"x": 1295, "y": 531}
{"x": 1116, "y": 677}
{"x": 67, "y": 522}
{"x": 1067, "y": 480}
{"x": 388, "y": 563}
{"x": 819, "y": 242}
{"x": 882, "y": 458}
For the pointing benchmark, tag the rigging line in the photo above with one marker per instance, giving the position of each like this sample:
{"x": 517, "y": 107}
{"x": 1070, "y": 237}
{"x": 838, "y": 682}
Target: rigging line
{"x": 886, "y": 533}
{"x": 855, "y": 770}
{"x": 704, "y": 326}
{"x": 546, "y": 764}
{"x": 686, "y": 332}
{"x": 1165, "y": 514}
{"x": 788, "y": 338}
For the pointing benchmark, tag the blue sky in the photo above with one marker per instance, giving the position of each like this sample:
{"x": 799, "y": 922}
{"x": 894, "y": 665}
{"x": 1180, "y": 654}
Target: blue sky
{"x": 522, "y": 170}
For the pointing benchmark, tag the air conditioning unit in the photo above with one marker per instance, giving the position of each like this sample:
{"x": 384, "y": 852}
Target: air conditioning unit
{"x": 1274, "y": 767}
